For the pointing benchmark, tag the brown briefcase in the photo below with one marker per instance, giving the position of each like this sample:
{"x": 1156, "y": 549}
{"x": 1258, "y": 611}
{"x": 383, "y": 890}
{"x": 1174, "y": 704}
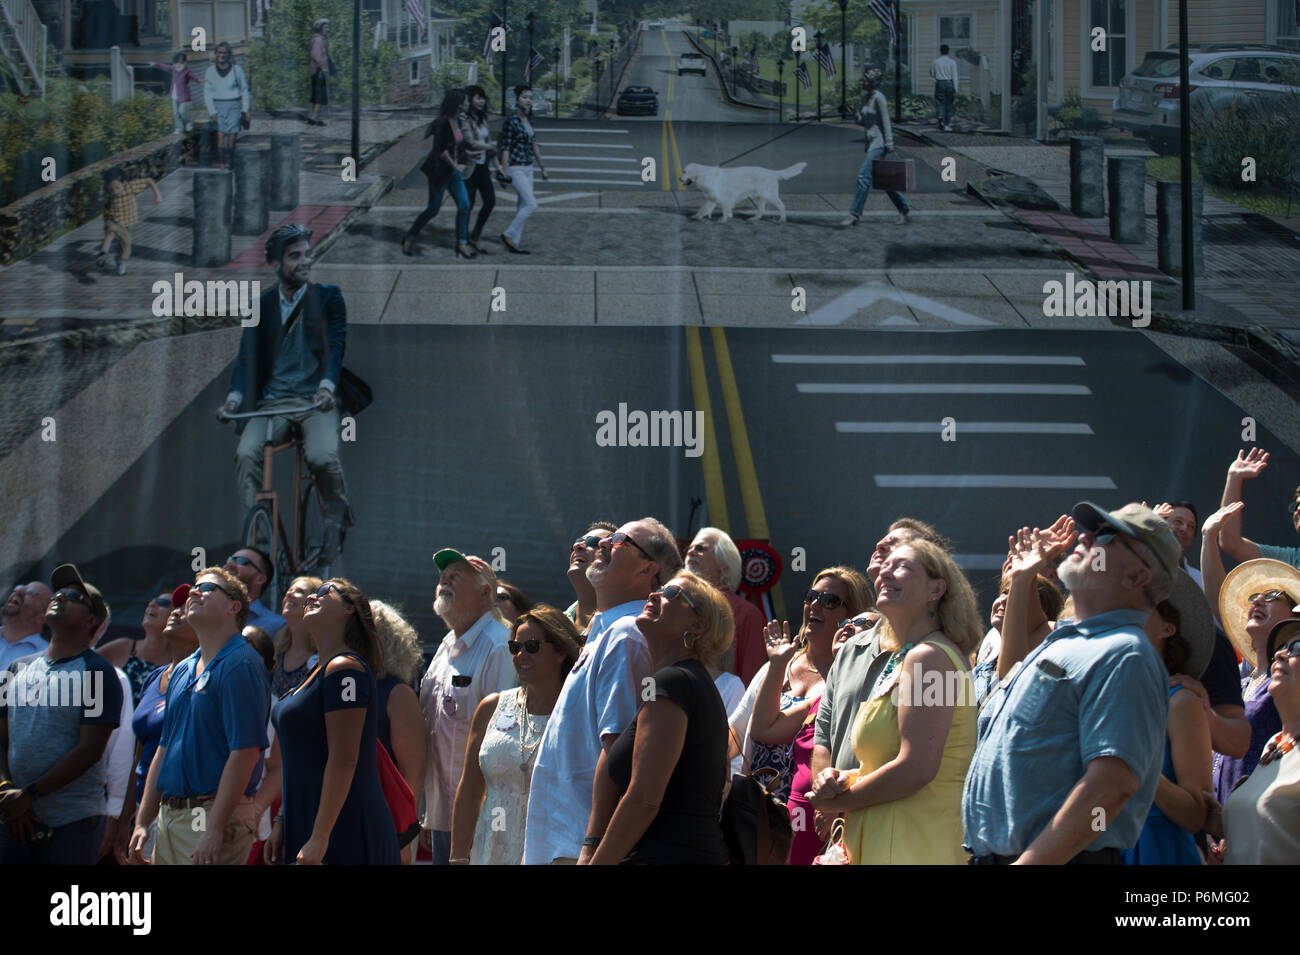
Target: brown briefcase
{"x": 896, "y": 174}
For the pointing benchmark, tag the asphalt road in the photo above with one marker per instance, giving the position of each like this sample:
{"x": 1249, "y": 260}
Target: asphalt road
{"x": 685, "y": 98}
{"x": 485, "y": 437}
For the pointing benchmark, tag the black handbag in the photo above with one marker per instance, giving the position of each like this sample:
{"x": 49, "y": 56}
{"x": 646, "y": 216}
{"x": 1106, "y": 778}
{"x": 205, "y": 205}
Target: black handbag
{"x": 354, "y": 394}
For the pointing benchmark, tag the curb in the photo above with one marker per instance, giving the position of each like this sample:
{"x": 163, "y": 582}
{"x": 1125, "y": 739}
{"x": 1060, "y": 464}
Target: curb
{"x": 690, "y": 37}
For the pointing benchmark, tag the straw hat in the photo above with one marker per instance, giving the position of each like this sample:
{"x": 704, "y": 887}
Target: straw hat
{"x": 1252, "y": 577}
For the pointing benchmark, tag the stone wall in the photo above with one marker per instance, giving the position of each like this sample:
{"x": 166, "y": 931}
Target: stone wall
{"x": 400, "y": 90}
{"x": 77, "y": 198}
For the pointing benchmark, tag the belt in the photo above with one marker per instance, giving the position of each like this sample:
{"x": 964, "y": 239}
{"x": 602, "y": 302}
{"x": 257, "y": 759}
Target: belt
{"x": 186, "y": 802}
{"x": 1095, "y": 857}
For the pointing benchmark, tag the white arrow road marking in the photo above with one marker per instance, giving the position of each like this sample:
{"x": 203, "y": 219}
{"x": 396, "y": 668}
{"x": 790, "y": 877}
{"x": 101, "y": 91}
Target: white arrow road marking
{"x": 840, "y": 309}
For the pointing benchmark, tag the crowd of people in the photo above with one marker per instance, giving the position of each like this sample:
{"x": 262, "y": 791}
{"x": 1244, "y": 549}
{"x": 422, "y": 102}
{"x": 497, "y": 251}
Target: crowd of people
{"x": 1120, "y": 707}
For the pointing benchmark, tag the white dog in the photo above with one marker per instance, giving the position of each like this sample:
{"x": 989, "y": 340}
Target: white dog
{"x": 726, "y": 187}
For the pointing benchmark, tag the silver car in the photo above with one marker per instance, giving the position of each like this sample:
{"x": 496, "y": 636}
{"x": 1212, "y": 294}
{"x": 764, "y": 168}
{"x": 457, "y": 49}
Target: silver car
{"x": 1220, "y": 74}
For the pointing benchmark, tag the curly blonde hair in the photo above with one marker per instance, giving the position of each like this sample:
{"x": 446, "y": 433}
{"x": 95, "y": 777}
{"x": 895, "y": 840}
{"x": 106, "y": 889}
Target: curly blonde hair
{"x": 401, "y": 642}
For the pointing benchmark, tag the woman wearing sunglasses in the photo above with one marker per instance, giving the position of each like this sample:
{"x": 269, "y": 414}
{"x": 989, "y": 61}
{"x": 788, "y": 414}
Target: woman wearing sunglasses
{"x": 1256, "y": 597}
{"x": 1261, "y": 820}
{"x": 295, "y": 655}
{"x": 658, "y": 788}
{"x": 915, "y": 734}
{"x": 138, "y": 659}
{"x": 491, "y": 806}
{"x": 334, "y": 811}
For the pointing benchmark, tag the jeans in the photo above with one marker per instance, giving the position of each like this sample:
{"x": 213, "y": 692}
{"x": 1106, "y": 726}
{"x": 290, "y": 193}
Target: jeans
{"x": 522, "y": 179}
{"x": 76, "y": 843}
{"x": 480, "y": 182}
{"x": 320, "y": 443}
{"x": 945, "y": 94}
{"x": 864, "y": 187}
{"x": 456, "y": 185}
{"x": 441, "y": 848}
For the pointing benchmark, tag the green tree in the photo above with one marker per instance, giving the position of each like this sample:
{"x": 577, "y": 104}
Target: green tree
{"x": 824, "y": 15}
{"x": 278, "y": 64}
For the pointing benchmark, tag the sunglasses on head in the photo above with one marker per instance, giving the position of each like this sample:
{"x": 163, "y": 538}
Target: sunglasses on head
{"x": 827, "y": 599}
{"x": 528, "y": 646}
{"x": 591, "y": 541}
{"x": 1270, "y": 596}
{"x": 672, "y": 592}
{"x": 71, "y": 593}
{"x": 207, "y": 586}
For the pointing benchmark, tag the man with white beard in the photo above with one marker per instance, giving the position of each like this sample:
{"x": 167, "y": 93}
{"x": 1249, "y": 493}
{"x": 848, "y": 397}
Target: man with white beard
{"x": 472, "y": 662}
{"x": 1071, "y": 743}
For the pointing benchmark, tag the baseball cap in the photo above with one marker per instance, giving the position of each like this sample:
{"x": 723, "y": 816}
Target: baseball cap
{"x": 180, "y": 595}
{"x": 449, "y": 555}
{"x": 66, "y": 575}
{"x": 1136, "y": 521}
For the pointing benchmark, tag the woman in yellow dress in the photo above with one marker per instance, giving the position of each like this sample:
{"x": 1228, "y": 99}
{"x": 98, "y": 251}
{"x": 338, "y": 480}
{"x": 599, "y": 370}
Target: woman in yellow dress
{"x": 915, "y": 734}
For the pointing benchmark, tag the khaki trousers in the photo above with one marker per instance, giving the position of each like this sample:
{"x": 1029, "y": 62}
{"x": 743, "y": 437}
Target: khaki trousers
{"x": 179, "y": 832}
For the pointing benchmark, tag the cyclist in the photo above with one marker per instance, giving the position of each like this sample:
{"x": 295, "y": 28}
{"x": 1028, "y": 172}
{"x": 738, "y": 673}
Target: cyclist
{"x": 292, "y": 356}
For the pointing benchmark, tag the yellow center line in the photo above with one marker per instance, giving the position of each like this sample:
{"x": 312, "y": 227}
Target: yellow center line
{"x": 665, "y": 174}
{"x": 746, "y": 473}
{"x": 715, "y": 496}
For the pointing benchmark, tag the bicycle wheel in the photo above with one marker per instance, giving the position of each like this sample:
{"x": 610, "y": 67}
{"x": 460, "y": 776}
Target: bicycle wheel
{"x": 258, "y": 533}
{"x": 311, "y": 532}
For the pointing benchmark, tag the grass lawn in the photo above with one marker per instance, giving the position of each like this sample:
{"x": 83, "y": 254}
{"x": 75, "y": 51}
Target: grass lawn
{"x": 1167, "y": 167}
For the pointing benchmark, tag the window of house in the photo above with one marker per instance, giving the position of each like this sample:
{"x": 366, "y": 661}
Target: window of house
{"x": 955, "y": 31}
{"x": 1108, "y": 65}
{"x": 415, "y": 71}
{"x": 1286, "y": 24}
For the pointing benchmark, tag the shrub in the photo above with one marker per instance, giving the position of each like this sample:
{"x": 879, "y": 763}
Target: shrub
{"x": 1222, "y": 136}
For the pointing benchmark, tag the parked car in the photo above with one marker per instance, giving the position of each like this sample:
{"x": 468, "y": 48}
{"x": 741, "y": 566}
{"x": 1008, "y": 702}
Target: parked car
{"x": 1220, "y": 75}
{"x": 638, "y": 99}
{"x": 691, "y": 63}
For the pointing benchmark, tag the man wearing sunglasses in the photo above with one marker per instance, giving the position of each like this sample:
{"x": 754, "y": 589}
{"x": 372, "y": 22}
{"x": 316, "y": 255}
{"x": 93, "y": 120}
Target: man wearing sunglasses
{"x": 253, "y": 568}
{"x": 22, "y": 619}
{"x": 58, "y": 710}
{"x": 581, "y": 554}
{"x": 602, "y": 692}
{"x": 471, "y": 662}
{"x": 1071, "y": 743}
{"x": 207, "y": 765}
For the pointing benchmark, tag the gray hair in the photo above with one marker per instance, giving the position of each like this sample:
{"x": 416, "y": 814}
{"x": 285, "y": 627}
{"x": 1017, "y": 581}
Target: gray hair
{"x": 662, "y": 547}
{"x": 727, "y": 555}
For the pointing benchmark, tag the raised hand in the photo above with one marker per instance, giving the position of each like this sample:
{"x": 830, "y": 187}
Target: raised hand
{"x": 1164, "y": 511}
{"x": 776, "y": 639}
{"x": 1248, "y": 466}
{"x": 1224, "y": 514}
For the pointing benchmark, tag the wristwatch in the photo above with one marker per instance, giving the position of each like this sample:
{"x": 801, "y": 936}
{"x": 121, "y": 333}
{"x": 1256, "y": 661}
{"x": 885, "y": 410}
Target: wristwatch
{"x": 591, "y": 842}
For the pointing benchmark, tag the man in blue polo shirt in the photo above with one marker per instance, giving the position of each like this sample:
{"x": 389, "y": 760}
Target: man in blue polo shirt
{"x": 57, "y": 711}
{"x": 1071, "y": 743}
{"x": 213, "y": 735}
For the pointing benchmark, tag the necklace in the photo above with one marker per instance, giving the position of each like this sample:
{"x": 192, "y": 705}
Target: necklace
{"x": 1277, "y": 747}
{"x": 526, "y": 749}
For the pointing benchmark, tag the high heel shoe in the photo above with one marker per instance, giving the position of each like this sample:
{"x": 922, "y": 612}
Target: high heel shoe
{"x": 473, "y": 243}
{"x": 408, "y": 245}
{"x": 467, "y": 253}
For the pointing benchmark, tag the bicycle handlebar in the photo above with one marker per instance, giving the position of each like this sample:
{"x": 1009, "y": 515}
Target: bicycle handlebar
{"x": 241, "y": 415}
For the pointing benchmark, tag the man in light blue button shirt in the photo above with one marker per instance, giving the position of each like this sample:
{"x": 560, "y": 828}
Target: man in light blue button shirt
{"x": 1071, "y": 744}
{"x": 21, "y": 620}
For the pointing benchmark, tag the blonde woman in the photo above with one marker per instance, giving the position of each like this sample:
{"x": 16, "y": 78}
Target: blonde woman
{"x": 915, "y": 734}
{"x": 402, "y": 728}
{"x": 294, "y": 651}
{"x": 658, "y": 788}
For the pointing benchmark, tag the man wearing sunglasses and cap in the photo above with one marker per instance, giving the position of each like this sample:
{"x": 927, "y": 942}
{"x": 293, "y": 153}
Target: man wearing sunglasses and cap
{"x": 1071, "y": 743}
{"x": 471, "y": 662}
{"x": 57, "y": 711}
{"x": 208, "y": 763}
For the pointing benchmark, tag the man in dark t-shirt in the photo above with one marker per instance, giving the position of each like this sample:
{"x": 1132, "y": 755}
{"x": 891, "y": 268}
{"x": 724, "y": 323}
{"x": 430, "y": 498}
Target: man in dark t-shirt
{"x": 57, "y": 711}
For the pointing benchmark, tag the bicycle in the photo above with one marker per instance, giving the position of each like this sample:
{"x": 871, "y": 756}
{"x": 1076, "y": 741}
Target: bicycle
{"x": 264, "y": 528}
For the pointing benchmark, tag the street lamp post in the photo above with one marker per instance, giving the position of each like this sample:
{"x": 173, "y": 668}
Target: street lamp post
{"x": 898, "y": 62}
{"x": 735, "y": 52}
{"x": 356, "y": 81}
{"x": 555, "y": 65}
{"x": 844, "y": 44}
{"x": 505, "y": 58}
{"x": 780, "y": 89}
{"x": 530, "y": 21}
{"x": 797, "y": 84}
{"x": 1185, "y": 161}
{"x": 715, "y": 40}
{"x": 817, "y": 38}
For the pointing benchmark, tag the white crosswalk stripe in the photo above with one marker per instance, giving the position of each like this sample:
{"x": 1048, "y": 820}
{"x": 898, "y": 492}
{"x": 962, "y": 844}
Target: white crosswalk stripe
{"x": 589, "y": 156}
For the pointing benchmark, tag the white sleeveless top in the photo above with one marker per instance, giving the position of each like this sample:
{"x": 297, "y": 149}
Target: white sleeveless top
{"x": 506, "y": 759}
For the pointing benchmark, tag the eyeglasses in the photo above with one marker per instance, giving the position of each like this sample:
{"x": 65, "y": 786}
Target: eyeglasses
{"x": 503, "y": 597}
{"x": 1104, "y": 534}
{"x": 591, "y": 541}
{"x": 1270, "y": 596}
{"x": 1291, "y": 649}
{"x": 620, "y": 538}
{"x": 244, "y": 562}
{"x": 324, "y": 591}
{"x": 161, "y": 601}
{"x": 207, "y": 586}
{"x": 71, "y": 593}
{"x": 672, "y": 592}
{"x": 528, "y": 646}
{"x": 827, "y": 599}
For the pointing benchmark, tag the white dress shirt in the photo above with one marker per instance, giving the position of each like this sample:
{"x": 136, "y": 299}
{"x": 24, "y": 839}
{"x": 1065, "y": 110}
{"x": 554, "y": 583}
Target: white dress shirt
{"x": 118, "y": 761}
{"x": 481, "y": 661}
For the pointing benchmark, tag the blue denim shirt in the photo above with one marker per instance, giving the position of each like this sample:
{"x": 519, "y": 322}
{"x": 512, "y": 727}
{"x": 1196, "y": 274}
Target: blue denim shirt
{"x": 1093, "y": 688}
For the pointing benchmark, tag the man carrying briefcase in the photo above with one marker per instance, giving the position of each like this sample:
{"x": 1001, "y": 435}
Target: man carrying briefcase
{"x": 874, "y": 117}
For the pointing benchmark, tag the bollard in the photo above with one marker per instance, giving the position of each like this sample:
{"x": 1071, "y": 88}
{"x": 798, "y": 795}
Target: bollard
{"x": 286, "y": 159}
{"x": 1127, "y": 178}
{"x": 1087, "y": 182}
{"x": 1169, "y": 222}
{"x": 252, "y": 170}
{"x": 213, "y": 190}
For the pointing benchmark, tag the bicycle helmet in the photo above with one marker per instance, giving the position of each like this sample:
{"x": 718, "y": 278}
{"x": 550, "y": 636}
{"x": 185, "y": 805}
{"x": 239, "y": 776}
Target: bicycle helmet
{"x": 285, "y": 235}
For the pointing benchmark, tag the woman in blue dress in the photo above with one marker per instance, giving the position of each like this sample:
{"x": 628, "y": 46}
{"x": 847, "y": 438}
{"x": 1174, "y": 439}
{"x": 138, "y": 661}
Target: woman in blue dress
{"x": 334, "y": 811}
{"x": 1182, "y": 631}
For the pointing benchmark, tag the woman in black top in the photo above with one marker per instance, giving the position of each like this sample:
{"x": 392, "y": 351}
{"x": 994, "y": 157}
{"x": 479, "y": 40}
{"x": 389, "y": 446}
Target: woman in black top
{"x": 445, "y": 169}
{"x": 658, "y": 790}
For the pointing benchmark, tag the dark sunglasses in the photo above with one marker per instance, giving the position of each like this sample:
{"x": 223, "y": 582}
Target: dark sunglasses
{"x": 244, "y": 562}
{"x": 528, "y": 646}
{"x": 591, "y": 541}
{"x": 620, "y": 538}
{"x": 1104, "y": 534}
{"x": 324, "y": 591}
{"x": 161, "y": 601}
{"x": 207, "y": 586}
{"x": 827, "y": 599}
{"x": 1270, "y": 596}
{"x": 672, "y": 592}
{"x": 71, "y": 593}
{"x": 1292, "y": 648}
{"x": 1291, "y": 508}
{"x": 503, "y": 597}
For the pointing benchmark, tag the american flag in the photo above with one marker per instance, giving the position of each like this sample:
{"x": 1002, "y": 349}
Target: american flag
{"x": 825, "y": 60}
{"x": 493, "y": 22}
{"x": 753, "y": 58}
{"x": 884, "y": 11}
{"x": 535, "y": 60}
{"x": 801, "y": 74}
{"x": 417, "y": 11}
